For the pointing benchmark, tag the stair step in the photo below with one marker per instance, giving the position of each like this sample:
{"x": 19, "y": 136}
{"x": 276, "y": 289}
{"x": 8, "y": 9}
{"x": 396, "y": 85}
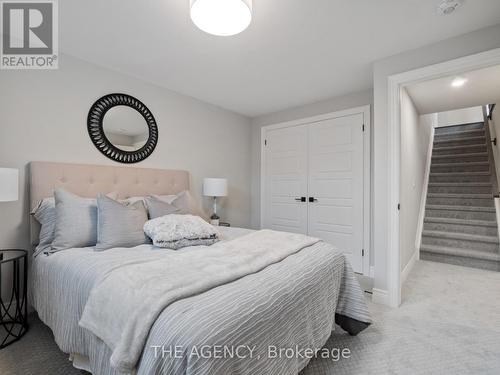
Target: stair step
{"x": 460, "y": 208}
{"x": 458, "y": 150}
{"x": 482, "y": 176}
{"x": 477, "y": 227}
{"x": 460, "y": 212}
{"x": 460, "y": 134}
{"x": 475, "y": 200}
{"x": 483, "y": 264}
{"x": 466, "y": 241}
{"x": 480, "y": 166}
{"x": 447, "y": 220}
{"x": 461, "y": 164}
{"x": 485, "y": 255}
{"x": 454, "y": 158}
{"x": 460, "y": 184}
{"x": 463, "y": 196}
{"x": 461, "y": 127}
{"x": 461, "y": 236}
{"x": 461, "y": 187}
{"x": 458, "y": 174}
{"x": 459, "y": 141}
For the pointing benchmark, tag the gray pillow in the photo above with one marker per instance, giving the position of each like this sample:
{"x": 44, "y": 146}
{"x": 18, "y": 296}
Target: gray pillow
{"x": 158, "y": 208}
{"x": 76, "y": 221}
{"x": 45, "y": 214}
{"x": 120, "y": 225}
{"x": 187, "y": 205}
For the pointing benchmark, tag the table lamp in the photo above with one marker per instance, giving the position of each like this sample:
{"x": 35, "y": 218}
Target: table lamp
{"x": 215, "y": 187}
{"x": 9, "y": 185}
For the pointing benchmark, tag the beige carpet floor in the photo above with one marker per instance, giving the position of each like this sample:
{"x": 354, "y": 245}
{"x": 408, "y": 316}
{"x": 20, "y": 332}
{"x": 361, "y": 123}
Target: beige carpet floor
{"x": 449, "y": 323}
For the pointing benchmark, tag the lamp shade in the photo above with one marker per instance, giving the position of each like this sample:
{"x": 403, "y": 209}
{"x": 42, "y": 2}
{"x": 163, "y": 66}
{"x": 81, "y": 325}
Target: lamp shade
{"x": 215, "y": 187}
{"x": 9, "y": 185}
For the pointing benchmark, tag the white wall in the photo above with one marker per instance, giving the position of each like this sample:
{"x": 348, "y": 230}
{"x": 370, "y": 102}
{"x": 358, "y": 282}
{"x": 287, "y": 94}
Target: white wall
{"x": 475, "y": 42}
{"x": 43, "y": 117}
{"x": 415, "y": 139}
{"x": 310, "y": 110}
{"x": 460, "y": 116}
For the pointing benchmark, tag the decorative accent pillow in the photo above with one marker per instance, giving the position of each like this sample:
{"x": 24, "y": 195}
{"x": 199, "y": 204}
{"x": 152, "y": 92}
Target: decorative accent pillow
{"x": 163, "y": 198}
{"x": 120, "y": 225}
{"x": 166, "y": 198}
{"x": 45, "y": 214}
{"x": 76, "y": 221}
{"x": 157, "y": 207}
{"x": 187, "y": 205}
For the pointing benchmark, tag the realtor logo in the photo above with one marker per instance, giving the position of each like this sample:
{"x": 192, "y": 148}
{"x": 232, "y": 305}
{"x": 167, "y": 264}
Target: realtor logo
{"x": 29, "y": 34}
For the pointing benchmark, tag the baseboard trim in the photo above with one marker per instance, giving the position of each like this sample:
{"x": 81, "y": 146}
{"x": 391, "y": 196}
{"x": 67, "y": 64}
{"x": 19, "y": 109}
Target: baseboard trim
{"x": 409, "y": 266}
{"x": 380, "y": 296}
{"x": 497, "y": 210}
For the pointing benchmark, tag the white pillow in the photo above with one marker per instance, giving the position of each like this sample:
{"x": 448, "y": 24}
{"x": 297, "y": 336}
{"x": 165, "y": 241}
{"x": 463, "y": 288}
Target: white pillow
{"x": 187, "y": 205}
{"x": 165, "y": 198}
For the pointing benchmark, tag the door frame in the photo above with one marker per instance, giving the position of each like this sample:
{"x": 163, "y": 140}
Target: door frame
{"x": 365, "y": 111}
{"x": 396, "y": 83}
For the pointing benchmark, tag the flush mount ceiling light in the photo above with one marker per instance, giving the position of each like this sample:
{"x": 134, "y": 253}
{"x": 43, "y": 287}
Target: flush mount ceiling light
{"x": 458, "y": 82}
{"x": 221, "y": 17}
{"x": 446, "y": 7}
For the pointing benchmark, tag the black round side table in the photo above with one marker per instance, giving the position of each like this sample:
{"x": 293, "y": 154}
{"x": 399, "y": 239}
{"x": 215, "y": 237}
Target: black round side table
{"x": 13, "y": 302}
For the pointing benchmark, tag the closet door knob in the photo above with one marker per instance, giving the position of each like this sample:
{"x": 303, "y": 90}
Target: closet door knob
{"x": 312, "y": 200}
{"x": 301, "y": 199}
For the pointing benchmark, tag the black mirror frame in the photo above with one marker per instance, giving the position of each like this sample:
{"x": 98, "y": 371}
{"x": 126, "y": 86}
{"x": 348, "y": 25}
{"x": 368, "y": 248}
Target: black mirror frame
{"x": 96, "y": 131}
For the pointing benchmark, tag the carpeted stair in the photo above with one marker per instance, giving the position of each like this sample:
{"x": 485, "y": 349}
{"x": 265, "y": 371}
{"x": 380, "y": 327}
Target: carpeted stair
{"x": 460, "y": 225}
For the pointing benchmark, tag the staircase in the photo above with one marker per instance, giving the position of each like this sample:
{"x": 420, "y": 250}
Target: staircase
{"x": 460, "y": 225}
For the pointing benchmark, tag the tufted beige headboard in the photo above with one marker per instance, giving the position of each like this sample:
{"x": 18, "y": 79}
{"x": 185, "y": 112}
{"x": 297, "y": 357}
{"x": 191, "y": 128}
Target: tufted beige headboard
{"x": 89, "y": 180}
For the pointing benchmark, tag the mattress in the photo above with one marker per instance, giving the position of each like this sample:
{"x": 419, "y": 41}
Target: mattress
{"x": 289, "y": 305}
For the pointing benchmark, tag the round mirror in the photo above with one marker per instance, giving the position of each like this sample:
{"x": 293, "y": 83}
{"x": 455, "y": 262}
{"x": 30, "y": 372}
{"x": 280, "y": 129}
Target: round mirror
{"x": 122, "y": 128}
{"x": 125, "y": 128}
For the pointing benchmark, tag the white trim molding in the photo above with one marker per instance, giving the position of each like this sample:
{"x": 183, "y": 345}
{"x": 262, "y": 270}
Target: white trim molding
{"x": 411, "y": 263}
{"x": 395, "y": 84}
{"x": 380, "y": 296}
{"x": 497, "y": 211}
{"x": 367, "y": 222}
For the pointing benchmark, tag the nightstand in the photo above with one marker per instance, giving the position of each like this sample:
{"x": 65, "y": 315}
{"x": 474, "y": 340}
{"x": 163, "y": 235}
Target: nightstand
{"x": 14, "y": 309}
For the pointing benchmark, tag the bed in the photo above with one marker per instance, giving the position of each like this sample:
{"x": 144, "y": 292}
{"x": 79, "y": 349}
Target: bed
{"x": 238, "y": 327}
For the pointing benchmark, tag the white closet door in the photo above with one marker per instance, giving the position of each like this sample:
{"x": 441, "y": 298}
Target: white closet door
{"x": 336, "y": 184}
{"x": 286, "y": 179}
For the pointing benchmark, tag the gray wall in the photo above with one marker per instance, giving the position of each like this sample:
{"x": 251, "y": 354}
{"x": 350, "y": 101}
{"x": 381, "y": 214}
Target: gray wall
{"x": 468, "y": 44}
{"x": 415, "y": 140}
{"x": 310, "y": 110}
{"x": 43, "y": 117}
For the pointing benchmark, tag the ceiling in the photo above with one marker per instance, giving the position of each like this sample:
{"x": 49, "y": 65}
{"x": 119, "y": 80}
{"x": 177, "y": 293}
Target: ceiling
{"x": 294, "y": 52}
{"x": 482, "y": 87}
